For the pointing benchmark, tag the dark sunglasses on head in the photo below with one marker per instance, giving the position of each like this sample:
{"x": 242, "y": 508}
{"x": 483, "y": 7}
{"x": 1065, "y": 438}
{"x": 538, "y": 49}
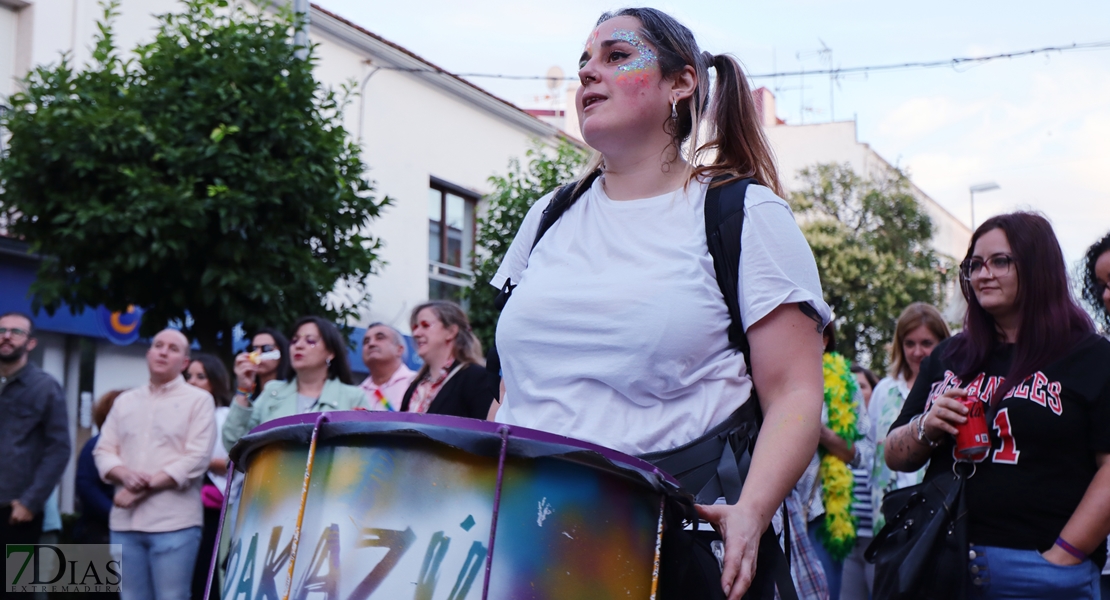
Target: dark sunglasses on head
{"x": 262, "y": 348}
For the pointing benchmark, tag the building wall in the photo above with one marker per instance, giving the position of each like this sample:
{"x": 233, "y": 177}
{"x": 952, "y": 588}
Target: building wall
{"x": 411, "y": 132}
{"x": 800, "y": 146}
{"x": 9, "y": 21}
{"x": 119, "y": 367}
{"x": 411, "y": 127}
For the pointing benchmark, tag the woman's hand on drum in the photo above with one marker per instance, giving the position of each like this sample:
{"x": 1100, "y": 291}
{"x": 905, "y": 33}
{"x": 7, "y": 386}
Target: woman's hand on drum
{"x": 741, "y": 532}
{"x": 945, "y": 414}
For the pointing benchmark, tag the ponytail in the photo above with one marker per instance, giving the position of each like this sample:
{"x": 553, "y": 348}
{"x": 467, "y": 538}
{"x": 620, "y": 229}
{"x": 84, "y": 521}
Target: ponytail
{"x": 738, "y": 145}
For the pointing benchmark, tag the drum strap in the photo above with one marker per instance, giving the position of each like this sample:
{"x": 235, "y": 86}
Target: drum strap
{"x": 716, "y": 464}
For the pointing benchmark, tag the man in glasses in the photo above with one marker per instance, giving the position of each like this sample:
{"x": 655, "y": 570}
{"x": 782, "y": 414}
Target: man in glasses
{"x": 383, "y": 349}
{"x": 34, "y": 434}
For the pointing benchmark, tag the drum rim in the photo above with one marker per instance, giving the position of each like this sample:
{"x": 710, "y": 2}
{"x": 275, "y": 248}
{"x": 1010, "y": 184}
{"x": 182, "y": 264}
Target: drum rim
{"x": 247, "y": 444}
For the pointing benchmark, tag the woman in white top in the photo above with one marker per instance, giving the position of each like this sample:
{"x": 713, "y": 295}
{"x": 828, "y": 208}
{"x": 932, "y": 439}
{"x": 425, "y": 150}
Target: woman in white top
{"x": 617, "y": 331}
{"x": 920, "y": 328}
{"x": 206, "y": 372}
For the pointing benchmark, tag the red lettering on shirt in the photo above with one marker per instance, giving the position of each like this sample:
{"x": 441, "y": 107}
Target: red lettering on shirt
{"x": 1054, "y": 397}
{"x": 1020, "y": 390}
{"x": 937, "y": 389}
{"x": 1036, "y": 392}
{"x": 973, "y": 387}
{"x": 988, "y": 390}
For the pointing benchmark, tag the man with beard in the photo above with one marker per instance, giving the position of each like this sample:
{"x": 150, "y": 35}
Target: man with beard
{"x": 34, "y": 434}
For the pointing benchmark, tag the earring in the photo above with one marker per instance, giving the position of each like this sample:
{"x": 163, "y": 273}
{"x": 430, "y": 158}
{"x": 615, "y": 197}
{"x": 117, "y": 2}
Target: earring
{"x": 327, "y": 361}
{"x": 674, "y": 109}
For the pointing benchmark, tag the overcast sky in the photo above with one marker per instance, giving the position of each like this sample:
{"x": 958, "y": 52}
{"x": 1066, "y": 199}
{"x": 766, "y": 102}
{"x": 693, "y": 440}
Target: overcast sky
{"x": 1039, "y": 126}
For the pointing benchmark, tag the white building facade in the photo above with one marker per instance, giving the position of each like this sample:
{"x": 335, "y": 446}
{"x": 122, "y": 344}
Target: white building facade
{"x": 431, "y": 141}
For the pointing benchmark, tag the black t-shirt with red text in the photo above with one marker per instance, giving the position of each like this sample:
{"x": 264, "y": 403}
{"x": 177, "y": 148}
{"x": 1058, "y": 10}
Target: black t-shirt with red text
{"x": 1044, "y": 437}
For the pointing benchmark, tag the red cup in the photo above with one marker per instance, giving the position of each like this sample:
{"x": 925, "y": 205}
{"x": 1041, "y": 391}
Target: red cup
{"x": 972, "y": 439}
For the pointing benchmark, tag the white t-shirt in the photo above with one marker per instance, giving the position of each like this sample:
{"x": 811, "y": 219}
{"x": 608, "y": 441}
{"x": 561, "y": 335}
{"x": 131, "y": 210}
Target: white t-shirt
{"x": 218, "y": 451}
{"x": 617, "y": 331}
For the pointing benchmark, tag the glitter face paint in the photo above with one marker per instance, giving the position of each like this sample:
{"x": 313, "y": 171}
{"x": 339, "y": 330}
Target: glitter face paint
{"x": 635, "y": 71}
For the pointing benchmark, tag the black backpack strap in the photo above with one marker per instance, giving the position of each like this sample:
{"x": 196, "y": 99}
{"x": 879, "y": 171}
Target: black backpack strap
{"x": 724, "y": 225}
{"x": 562, "y": 200}
{"x": 715, "y": 465}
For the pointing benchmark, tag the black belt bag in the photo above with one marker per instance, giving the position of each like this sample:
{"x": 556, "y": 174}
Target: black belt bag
{"x": 711, "y": 467}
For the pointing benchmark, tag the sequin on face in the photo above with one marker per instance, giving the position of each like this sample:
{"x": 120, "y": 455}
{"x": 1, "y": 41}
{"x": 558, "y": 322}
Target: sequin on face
{"x": 636, "y": 70}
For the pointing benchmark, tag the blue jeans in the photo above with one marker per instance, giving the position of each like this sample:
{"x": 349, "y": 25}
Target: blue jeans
{"x": 833, "y": 569}
{"x": 157, "y": 566}
{"x": 1004, "y": 573}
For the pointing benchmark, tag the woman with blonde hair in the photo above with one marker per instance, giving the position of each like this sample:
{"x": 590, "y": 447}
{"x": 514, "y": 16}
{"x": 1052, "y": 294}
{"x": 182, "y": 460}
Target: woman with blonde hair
{"x": 919, "y": 329}
{"x": 453, "y": 380}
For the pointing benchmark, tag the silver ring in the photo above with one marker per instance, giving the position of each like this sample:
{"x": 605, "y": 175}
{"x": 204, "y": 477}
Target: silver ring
{"x": 965, "y": 462}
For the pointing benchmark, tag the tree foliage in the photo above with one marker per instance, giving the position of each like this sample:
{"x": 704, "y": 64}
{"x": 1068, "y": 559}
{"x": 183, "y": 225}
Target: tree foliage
{"x": 870, "y": 238}
{"x": 514, "y": 193}
{"x": 206, "y": 174}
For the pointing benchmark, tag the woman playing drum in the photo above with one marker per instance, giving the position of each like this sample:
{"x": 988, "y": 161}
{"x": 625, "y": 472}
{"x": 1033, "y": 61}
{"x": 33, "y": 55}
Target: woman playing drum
{"x": 617, "y": 331}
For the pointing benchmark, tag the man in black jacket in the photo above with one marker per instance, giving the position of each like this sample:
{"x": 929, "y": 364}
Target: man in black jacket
{"x": 34, "y": 434}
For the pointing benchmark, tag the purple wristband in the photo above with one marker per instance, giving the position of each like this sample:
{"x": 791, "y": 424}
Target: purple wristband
{"x": 1072, "y": 550}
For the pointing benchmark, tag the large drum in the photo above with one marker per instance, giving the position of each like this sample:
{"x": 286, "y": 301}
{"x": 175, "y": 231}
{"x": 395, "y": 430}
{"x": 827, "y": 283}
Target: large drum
{"x": 358, "y": 505}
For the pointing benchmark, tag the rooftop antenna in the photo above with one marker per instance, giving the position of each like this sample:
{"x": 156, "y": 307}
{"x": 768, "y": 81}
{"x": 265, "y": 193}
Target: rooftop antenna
{"x": 827, "y": 54}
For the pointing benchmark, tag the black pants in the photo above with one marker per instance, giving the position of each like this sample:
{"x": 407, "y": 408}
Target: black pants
{"x": 18, "y": 533}
{"x": 208, "y": 543}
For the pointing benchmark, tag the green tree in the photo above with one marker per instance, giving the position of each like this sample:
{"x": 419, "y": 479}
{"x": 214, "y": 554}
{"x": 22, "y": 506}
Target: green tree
{"x": 206, "y": 177}
{"x": 870, "y": 238}
{"x": 514, "y": 193}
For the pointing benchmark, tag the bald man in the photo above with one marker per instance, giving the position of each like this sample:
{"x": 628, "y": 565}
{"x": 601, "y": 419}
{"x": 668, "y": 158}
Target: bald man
{"x": 155, "y": 447}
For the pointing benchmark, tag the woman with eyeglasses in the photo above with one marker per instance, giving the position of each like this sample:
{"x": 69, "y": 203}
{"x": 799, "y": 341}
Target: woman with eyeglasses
{"x": 453, "y": 380}
{"x": 256, "y": 367}
{"x": 1037, "y": 509}
{"x": 321, "y": 382}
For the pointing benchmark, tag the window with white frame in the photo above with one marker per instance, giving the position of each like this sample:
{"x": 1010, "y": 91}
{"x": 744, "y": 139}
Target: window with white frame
{"x": 450, "y": 239}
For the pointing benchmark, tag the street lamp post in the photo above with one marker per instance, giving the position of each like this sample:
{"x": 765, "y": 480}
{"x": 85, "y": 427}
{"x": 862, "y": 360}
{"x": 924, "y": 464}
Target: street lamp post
{"x": 300, "y": 38}
{"x": 979, "y": 187}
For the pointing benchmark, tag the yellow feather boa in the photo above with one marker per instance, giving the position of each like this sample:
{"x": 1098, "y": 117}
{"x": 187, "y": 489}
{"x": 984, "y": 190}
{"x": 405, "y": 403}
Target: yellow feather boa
{"x": 838, "y": 533}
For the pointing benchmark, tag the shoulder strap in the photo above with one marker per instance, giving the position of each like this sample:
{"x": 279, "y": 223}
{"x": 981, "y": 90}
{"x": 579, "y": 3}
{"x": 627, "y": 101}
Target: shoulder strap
{"x": 724, "y": 225}
{"x": 563, "y": 200}
{"x": 560, "y": 202}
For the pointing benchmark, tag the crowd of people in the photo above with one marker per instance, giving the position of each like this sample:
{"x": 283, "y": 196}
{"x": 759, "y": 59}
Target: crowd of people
{"x": 626, "y": 326}
{"x": 154, "y": 476}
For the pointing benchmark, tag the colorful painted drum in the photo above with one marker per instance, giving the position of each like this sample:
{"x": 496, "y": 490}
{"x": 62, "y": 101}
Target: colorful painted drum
{"x": 359, "y": 505}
